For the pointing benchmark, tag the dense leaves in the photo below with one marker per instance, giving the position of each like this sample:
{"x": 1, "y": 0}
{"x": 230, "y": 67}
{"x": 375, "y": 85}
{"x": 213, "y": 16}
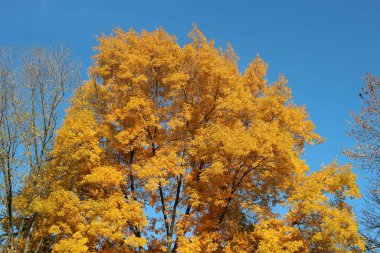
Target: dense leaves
{"x": 173, "y": 149}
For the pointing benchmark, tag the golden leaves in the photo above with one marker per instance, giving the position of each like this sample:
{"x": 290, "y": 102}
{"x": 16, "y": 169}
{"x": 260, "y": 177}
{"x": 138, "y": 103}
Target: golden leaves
{"x": 209, "y": 151}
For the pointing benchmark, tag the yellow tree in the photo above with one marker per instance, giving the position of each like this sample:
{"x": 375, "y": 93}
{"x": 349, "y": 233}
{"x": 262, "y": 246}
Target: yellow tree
{"x": 171, "y": 148}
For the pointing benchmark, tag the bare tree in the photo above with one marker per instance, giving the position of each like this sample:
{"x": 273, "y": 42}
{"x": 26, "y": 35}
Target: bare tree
{"x": 11, "y": 116}
{"x": 366, "y": 131}
{"x": 34, "y": 85}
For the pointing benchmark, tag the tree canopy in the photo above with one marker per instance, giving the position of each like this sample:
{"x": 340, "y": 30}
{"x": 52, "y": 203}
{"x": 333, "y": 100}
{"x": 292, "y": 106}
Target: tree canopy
{"x": 170, "y": 148}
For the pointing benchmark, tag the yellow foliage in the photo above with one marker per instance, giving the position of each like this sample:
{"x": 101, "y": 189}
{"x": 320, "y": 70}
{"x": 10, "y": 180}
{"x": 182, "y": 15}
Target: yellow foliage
{"x": 171, "y": 148}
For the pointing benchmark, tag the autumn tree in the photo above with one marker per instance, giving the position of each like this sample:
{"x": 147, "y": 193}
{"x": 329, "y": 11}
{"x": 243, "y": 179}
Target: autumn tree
{"x": 366, "y": 131}
{"x": 34, "y": 83}
{"x": 170, "y": 148}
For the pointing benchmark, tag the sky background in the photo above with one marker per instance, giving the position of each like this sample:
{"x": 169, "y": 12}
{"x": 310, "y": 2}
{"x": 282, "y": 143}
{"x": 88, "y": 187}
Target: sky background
{"x": 324, "y": 48}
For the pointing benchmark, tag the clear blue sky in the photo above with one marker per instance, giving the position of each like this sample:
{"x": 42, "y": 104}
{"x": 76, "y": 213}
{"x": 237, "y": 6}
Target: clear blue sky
{"x": 324, "y": 48}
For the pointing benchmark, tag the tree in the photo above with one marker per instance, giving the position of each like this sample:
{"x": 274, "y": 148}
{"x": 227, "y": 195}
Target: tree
{"x": 34, "y": 84}
{"x": 172, "y": 149}
{"x": 11, "y": 118}
{"x": 366, "y": 131}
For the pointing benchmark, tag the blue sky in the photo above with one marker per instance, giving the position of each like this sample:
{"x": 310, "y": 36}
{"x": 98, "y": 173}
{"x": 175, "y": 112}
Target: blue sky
{"x": 324, "y": 48}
